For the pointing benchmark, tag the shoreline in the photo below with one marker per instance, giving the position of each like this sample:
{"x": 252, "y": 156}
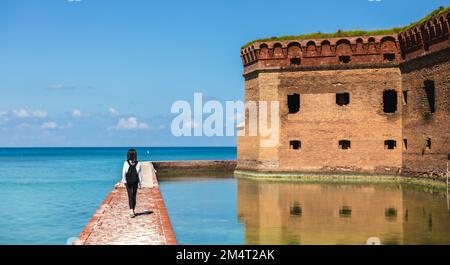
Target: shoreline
{"x": 207, "y": 168}
{"x": 342, "y": 178}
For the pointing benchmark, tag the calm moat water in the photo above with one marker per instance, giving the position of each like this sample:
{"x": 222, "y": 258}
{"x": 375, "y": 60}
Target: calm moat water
{"x": 243, "y": 211}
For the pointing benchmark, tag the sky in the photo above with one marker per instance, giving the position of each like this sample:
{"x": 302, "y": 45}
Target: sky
{"x": 105, "y": 73}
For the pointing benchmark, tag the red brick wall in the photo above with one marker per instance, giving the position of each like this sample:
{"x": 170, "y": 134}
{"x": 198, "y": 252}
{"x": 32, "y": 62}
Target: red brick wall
{"x": 418, "y": 123}
{"x": 321, "y": 123}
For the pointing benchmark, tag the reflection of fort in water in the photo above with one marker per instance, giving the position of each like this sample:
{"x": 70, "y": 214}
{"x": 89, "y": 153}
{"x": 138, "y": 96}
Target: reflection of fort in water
{"x": 294, "y": 213}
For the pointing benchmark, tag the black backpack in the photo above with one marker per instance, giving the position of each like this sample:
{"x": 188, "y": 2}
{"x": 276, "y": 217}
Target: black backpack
{"x": 132, "y": 175}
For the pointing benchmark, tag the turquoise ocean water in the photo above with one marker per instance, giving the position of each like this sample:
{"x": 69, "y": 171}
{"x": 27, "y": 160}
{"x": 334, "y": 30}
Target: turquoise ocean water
{"x": 49, "y": 194}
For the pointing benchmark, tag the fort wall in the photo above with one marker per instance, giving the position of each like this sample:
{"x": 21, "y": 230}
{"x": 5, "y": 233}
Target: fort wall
{"x": 394, "y": 115}
{"x": 426, "y": 129}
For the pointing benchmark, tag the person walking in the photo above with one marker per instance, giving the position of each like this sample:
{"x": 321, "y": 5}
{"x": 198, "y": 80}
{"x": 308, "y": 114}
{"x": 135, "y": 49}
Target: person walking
{"x": 131, "y": 179}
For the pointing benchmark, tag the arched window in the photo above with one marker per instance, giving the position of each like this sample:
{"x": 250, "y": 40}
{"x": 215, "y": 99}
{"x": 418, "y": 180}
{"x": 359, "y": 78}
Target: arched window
{"x": 444, "y": 25}
{"x": 431, "y": 29}
{"x": 344, "y": 51}
{"x": 294, "y": 53}
{"x": 263, "y": 51}
{"x": 311, "y": 50}
{"x": 247, "y": 57}
{"x": 388, "y": 48}
{"x": 437, "y": 27}
{"x": 418, "y": 37}
{"x": 413, "y": 38}
{"x": 343, "y": 47}
{"x": 326, "y": 48}
{"x": 371, "y": 47}
{"x": 294, "y": 50}
{"x": 278, "y": 50}
{"x": 425, "y": 37}
{"x": 359, "y": 46}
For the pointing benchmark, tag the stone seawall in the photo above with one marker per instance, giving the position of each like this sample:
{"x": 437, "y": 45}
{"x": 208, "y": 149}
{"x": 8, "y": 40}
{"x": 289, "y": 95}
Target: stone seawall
{"x": 195, "y": 168}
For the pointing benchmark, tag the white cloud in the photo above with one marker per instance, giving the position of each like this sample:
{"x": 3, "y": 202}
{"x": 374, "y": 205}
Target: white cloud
{"x": 40, "y": 114}
{"x": 113, "y": 112}
{"x": 59, "y": 86}
{"x": 131, "y": 123}
{"x": 76, "y": 113}
{"x": 49, "y": 125}
{"x": 25, "y": 113}
{"x": 22, "y": 113}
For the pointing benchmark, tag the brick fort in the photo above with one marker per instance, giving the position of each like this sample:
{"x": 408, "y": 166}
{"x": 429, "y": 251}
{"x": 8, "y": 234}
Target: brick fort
{"x": 369, "y": 104}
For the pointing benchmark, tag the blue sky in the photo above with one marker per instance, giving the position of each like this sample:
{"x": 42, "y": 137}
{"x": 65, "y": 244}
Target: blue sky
{"x": 106, "y": 72}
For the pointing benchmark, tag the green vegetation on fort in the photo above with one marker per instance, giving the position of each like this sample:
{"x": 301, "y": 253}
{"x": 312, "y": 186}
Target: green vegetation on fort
{"x": 353, "y": 33}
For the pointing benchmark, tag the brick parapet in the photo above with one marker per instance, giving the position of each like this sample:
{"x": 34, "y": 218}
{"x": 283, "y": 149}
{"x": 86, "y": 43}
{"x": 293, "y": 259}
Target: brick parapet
{"x": 300, "y": 54}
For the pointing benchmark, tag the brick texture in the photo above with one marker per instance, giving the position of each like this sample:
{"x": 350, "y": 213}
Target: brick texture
{"x": 111, "y": 224}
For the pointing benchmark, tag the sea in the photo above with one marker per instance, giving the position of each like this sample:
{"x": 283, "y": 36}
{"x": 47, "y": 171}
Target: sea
{"x": 49, "y": 194}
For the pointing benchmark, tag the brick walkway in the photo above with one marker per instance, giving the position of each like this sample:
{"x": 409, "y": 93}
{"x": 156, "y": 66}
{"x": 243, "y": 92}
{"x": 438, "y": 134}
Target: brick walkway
{"x": 111, "y": 224}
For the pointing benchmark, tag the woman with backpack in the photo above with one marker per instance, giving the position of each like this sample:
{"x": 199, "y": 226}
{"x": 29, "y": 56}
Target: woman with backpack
{"x": 130, "y": 177}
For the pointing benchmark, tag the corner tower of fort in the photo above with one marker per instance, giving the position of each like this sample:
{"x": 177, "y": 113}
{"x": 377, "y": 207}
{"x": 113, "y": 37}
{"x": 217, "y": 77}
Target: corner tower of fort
{"x": 365, "y": 104}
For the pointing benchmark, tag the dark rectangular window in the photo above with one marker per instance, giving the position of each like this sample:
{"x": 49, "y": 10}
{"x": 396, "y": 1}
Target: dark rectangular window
{"x": 405, "y": 144}
{"x": 389, "y": 101}
{"x": 295, "y": 145}
{"x": 295, "y": 61}
{"x": 342, "y": 99}
{"x": 428, "y": 143}
{"x": 389, "y": 57}
{"x": 296, "y": 209}
{"x": 344, "y": 59}
{"x": 430, "y": 94}
{"x": 390, "y": 213}
{"x": 293, "y": 103}
{"x": 345, "y": 211}
{"x": 390, "y": 144}
{"x": 344, "y": 144}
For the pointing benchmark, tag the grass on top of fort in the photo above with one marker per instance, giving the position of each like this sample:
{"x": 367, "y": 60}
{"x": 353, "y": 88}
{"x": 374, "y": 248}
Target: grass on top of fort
{"x": 353, "y": 33}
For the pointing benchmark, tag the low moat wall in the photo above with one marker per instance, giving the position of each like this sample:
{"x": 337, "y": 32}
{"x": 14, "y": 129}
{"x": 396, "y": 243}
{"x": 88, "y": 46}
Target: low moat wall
{"x": 195, "y": 168}
{"x": 228, "y": 168}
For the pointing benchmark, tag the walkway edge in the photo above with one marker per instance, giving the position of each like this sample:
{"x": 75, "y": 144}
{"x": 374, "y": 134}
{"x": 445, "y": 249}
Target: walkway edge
{"x": 96, "y": 220}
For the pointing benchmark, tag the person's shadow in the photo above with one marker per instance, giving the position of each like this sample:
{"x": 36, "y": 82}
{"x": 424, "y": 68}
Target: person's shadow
{"x": 144, "y": 213}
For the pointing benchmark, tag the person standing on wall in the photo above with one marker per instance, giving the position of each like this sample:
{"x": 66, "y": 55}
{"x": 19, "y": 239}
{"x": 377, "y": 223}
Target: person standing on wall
{"x": 130, "y": 177}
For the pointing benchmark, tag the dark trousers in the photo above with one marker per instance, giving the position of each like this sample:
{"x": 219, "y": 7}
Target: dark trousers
{"x": 132, "y": 192}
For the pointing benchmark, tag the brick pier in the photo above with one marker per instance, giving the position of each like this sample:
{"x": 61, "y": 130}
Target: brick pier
{"x": 111, "y": 225}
